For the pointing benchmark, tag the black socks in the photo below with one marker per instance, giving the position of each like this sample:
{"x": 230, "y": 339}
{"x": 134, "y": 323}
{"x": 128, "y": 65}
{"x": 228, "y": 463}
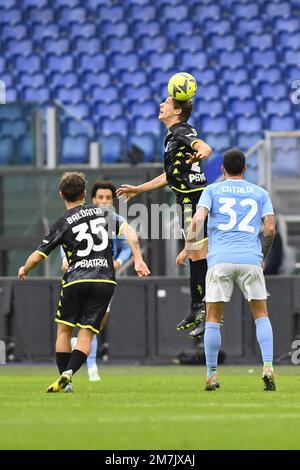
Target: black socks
{"x": 198, "y": 270}
{"x": 62, "y": 361}
{"x": 77, "y": 359}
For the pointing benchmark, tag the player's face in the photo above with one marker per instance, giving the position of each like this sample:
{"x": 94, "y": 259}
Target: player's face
{"x": 103, "y": 197}
{"x": 167, "y": 109}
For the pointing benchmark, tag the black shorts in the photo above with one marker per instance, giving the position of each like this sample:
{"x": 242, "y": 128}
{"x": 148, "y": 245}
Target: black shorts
{"x": 187, "y": 207}
{"x": 84, "y": 304}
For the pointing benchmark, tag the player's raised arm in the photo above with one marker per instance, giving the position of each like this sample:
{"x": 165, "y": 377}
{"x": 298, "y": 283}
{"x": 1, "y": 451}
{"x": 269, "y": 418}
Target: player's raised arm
{"x": 202, "y": 151}
{"x": 131, "y": 191}
{"x": 33, "y": 260}
{"x": 132, "y": 238}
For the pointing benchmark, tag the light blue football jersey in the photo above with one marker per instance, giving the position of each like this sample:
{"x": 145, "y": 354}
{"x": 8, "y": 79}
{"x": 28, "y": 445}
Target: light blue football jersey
{"x": 236, "y": 208}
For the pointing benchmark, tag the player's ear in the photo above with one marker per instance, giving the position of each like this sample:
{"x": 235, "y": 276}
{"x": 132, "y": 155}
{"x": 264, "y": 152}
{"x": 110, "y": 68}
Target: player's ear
{"x": 61, "y": 194}
{"x": 223, "y": 171}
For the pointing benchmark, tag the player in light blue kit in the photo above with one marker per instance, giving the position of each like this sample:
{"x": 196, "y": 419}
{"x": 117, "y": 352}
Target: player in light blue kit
{"x": 236, "y": 253}
{"x": 103, "y": 194}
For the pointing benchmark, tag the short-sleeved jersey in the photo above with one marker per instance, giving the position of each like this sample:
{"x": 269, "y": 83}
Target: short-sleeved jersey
{"x": 182, "y": 177}
{"x": 236, "y": 208}
{"x": 85, "y": 233}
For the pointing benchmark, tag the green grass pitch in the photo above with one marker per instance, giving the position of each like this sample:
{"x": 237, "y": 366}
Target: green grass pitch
{"x": 161, "y": 407}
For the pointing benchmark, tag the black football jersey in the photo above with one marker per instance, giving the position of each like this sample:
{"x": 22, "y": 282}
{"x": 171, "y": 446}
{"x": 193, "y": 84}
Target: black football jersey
{"x": 85, "y": 233}
{"x": 182, "y": 177}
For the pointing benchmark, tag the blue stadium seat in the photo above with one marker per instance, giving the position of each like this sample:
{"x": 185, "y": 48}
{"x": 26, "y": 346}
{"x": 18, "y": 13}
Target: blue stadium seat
{"x": 122, "y": 45}
{"x": 166, "y": 60}
{"x": 149, "y": 43}
{"x": 213, "y": 167}
{"x": 86, "y": 30}
{"x": 13, "y": 128}
{"x": 232, "y": 59}
{"x": 41, "y": 16}
{"x": 287, "y": 166}
{"x": 82, "y": 110}
{"x": 213, "y": 108}
{"x": 111, "y": 13}
{"x": 203, "y": 12}
{"x": 17, "y": 31}
{"x": 243, "y": 107}
{"x": 145, "y": 13}
{"x": 279, "y": 108}
{"x": 289, "y": 41}
{"x": 160, "y": 77}
{"x": 12, "y": 16}
{"x": 146, "y": 109}
{"x": 58, "y": 47}
{"x": 271, "y": 75}
{"x": 272, "y": 90}
{"x": 7, "y": 150}
{"x": 64, "y": 3}
{"x": 23, "y": 47}
{"x": 291, "y": 57}
{"x": 143, "y": 126}
{"x": 245, "y": 26}
{"x": 8, "y": 4}
{"x": 89, "y": 46}
{"x": 66, "y": 80}
{"x": 114, "y": 126}
{"x": 241, "y": 91}
{"x": 176, "y": 14}
{"x": 184, "y": 43}
{"x": 285, "y": 123}
{"x": 208, "y": 75}
{"x": 68, "y": 15}
{"x": 105, "y": 95}
{"x": 40, "y": 31}
{"x": 33, "y": 3}
{"x": 281, "y": 10}
{"x": 108, "y": 29}
{"x": 93, "y": 63}
{"x": 11, "y": 95}
{"x": 246, "y": 10}
{"x": 25, "y": 149}
{"x": 40, "y": 95}
{"x": 111, "y": 148}
{"x": 125, "y": 61}
{"x": 108, "y": 110}
{"x": 193, "y": 59}
{"x": 139, "y": 28}
{"x": 210, "y": 91}
{"x": 133, "y": 78}
{"x": 74, "y": 149}
{"x": 266, "y": 58}
{"x": 73, "y": 127}
{"x": 246, "y": 140}
{"x": 11, "y": 112}
{"x": 146, "y": 143}
{"x": 174, "y": 30}
{"x": 223, "y": 26}
{"x": 2, "y": 64}
{"x": 141, "y": 93}
{"x": 218, "y": 142}
{"x": 224, "y": 42}
{"x": 7, "y": 78}
{"x": 69, "y": 95}
{"x": 293, "y": 72}
{"x": 260, "y": 41}
{"x": 63, "y": 63}
{"x": 239, "y": 75}
{"x": 249, "y": 124}
{"x": 291, "y": 24}
{"x": 214, "y": 125}
{"x": 101, "y": 79}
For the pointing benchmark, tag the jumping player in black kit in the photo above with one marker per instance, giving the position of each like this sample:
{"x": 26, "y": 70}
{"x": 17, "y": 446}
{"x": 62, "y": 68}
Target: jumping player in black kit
{"x": 85, "y": 232}
{"x": 184, "y": 151}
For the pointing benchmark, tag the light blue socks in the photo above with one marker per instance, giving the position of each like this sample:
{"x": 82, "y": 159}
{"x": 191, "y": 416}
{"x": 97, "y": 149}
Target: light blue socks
{"x": 264, "y": 335}
{"x": 91, "y": 360}
{"x": 212, "y": 344}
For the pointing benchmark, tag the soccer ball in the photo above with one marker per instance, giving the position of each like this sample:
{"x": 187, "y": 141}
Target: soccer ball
{"x": 182, "y": 86}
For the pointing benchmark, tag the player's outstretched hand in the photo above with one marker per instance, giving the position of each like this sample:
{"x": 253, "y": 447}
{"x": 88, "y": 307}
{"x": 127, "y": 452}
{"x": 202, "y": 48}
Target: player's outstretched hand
{"x": 196, "y": 157}
{"x": 180, "y": 260}
{"x": 128, "y": 191}
{"x": 142, "y": 269}
{"x": 22, "y": 273}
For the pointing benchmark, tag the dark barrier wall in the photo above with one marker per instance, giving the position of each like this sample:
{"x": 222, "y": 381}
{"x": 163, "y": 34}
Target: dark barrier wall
{"x": 143, "y": 318}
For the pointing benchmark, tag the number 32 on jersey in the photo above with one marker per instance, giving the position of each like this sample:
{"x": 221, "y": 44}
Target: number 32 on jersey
{"x": 230, "y": 206}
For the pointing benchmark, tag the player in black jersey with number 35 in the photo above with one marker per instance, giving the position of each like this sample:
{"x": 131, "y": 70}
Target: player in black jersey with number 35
{"x": 85, "y": 232}
{"x": 184, "y": 152}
